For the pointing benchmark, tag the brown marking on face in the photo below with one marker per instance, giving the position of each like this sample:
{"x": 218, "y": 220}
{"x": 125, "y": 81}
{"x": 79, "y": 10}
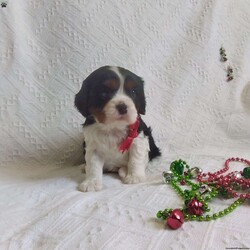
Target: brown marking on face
{"x": 98, "y": 114}
{"x": 112, "y": 84}
{"x": 129, "y": 84}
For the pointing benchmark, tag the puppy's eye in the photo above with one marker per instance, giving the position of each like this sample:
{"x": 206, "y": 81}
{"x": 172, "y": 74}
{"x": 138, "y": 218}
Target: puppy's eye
{"x": 132, "y": 93}
{"x": 106, "y": 93}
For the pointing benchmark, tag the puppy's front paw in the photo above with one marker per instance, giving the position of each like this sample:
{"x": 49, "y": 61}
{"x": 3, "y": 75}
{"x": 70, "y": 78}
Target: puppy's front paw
{"x": 133, "y": 179}
{"x": 90, "y": 185}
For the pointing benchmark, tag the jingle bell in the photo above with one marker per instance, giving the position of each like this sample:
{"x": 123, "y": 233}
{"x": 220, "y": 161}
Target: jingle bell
{"x": 237, "y": 175}
{"x": 246, "y": 172}
{"x": 195, "y": 207}
{"x": 178, "y": 167}
{"x": 204, "y": 189}
{"x": 175, "y": 219}
{"x": 168, "y": 176}
{"x": 194, "y": 172}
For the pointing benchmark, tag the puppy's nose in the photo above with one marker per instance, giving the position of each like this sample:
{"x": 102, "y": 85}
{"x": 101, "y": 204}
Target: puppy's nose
{"x": 122, "y": 108}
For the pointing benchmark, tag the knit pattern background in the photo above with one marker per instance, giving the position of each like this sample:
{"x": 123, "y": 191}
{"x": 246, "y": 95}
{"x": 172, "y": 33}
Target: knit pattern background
{"x": 47, "y": 48}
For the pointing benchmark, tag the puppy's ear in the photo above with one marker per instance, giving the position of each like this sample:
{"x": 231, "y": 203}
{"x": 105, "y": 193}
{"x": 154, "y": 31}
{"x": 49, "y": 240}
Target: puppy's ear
{"x": 81, "y": 99}
{"x": 141, "y": 100}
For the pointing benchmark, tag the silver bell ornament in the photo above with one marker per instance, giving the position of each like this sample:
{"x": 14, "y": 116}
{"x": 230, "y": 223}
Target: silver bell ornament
{"x": 167, "y": 176}
{"x": 204, "y": 189}
{"x": 194, "y": 172}
{"x": 237, "y": 175}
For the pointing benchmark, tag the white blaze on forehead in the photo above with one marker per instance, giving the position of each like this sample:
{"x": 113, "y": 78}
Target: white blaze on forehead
{"x": 121, "y": 78}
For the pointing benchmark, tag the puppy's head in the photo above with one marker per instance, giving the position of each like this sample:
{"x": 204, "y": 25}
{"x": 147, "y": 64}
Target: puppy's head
{"x": 111, "y": 94}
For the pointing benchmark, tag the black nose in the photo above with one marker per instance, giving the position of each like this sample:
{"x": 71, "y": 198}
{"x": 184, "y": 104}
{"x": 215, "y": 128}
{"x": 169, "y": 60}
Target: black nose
{"x": 122, "y": 108}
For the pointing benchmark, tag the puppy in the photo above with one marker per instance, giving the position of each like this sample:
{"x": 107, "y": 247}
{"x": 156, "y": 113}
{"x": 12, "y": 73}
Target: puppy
{"x": 115, "y": 137}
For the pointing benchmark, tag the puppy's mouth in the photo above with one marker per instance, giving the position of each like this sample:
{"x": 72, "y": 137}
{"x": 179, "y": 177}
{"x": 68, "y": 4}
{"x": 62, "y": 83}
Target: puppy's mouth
{"x": 118, "y": 117}
{"x": 122, "y": 117}
{"x": 126, "y": 118}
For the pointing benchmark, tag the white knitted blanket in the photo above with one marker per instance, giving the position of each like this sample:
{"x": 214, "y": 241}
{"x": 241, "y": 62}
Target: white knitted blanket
{"x": 47, "y": 48}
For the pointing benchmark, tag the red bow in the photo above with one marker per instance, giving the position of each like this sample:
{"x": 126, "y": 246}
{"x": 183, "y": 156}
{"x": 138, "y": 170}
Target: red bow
{"x": 132, "y": 134}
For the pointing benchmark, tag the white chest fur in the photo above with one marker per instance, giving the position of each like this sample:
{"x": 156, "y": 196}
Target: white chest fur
{"x": 105, "y": 142}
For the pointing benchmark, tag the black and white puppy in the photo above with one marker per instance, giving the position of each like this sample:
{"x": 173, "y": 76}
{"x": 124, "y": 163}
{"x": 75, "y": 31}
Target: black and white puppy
{"x": 116, "y": 138}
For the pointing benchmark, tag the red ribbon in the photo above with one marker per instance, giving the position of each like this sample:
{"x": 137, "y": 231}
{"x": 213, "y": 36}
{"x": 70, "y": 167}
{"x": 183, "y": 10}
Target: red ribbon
{"x": 132, "y": 134}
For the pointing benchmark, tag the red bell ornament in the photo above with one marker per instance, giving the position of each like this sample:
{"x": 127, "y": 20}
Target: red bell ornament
{"x": 175, "y": 219}
{"x": 195, "y": 207}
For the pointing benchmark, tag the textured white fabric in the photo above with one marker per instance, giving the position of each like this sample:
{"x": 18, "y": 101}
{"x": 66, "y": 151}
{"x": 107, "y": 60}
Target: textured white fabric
{"x": 47, "y": 48}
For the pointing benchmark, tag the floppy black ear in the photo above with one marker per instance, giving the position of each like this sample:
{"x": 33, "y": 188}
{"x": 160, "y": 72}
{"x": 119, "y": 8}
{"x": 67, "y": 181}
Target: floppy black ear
{"x": 141, "y": 106}
{"x": 81, "y": 100}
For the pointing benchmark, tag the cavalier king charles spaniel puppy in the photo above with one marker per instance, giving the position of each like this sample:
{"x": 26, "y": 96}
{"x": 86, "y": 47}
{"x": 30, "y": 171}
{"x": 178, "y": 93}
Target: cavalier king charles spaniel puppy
{"x": 116, "y": 139}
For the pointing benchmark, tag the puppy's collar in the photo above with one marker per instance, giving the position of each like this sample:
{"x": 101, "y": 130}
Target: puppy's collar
{"x": 132, "y": 134}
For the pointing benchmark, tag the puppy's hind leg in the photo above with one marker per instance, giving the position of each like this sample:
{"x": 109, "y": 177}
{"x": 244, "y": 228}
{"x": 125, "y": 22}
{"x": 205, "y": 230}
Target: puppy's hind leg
{"x": 122, "y": 172}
